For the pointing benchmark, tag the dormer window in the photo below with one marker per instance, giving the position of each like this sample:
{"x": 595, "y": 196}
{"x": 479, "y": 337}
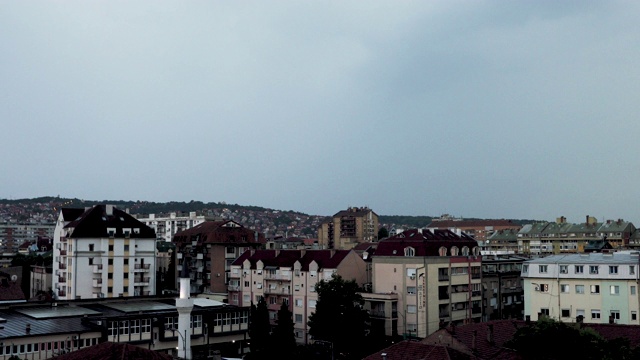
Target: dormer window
{"x": 409, "y": 251}
{"x": 442, "y": 251}
{"x": 465, "y": 251}
{"x": 126, "y": 232}
{"x": 111, "y": 232}
{"x": 454, "y": 251}
{"x": 476, "y": 251}
{"x": 136, "y": 230}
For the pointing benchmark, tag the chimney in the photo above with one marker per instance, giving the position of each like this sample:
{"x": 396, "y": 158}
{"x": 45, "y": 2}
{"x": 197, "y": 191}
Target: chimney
{"x": 490, "y": 334}
{"x": 109, "y": 210}
{"x": 473, "y": 340}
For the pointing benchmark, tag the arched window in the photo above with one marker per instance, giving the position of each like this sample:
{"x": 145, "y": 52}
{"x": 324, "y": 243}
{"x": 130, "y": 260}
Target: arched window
{"x": 454, "y": 251}
{"x": 409, "y": 251}
{"x": 442, "y": 251}
{"x": 465, "y": 251}
{"x": 476, "y": 251}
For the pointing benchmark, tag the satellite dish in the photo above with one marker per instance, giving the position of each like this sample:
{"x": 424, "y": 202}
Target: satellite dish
{"x": 14, "y": 278}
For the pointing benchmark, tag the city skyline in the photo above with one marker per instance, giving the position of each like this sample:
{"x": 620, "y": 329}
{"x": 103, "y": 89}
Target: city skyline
{"x": 521, "y": 110}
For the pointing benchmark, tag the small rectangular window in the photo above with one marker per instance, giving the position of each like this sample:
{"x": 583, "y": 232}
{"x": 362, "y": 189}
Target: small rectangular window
{"x": 579, "y": 269}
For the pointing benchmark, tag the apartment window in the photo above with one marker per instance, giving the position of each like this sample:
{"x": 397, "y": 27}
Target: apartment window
{"x": 411, "y": 309}
{"x": 126, "y": 275}
{"x": 273, "y": 300}
{"x": 146, "y": 325}
{"x": 615, "y": 314}
{"x": 91, "y": 247}
{"x": 580, "y": 312}
{"x": 411, "y": 272}
{"x": 246, "y": 298}
{"x": 613, "y": 269}
{"x": 126, "y": 248}
{"x": 110, "y": 289}
{"x": 298, "y": 318}
{"x": 542, "y": 269}
{"x": 525, "y": 268}
{"x": 110, "y": 262}
{"x": 298, "y": 302}
{"x": 595, "y": 314}
{"x": 230, "y": 250}
{"x": 135, "y": 326}
{"x": 411, "y": 290}
{"x": 90, "y": 261}
{"x": 566, "y": 313}
{"x": 563, "y": 269}
{"x": 544, "y": 311}
{"x": 632, "y": 290}
{"x": 124, "y": 327}
{"x": 632, "y": 269}
{"x": 126, "y": 261}
{"x": 111, "y": 247}
{"x": 579, "y": 289}
{"x": 564, "y": 288}
{"x": 409, "y": 251}
{"x": 593, "y": 269}
{"x": 634, "y": 315}
{"x": 110, "y": 276}
{"x": 196, "y": 321}
{"x": 312, "y": 303}
{"x": 579, "y": 269}
{"x": 595, "y": 289}
{"x": 614, "y": 290}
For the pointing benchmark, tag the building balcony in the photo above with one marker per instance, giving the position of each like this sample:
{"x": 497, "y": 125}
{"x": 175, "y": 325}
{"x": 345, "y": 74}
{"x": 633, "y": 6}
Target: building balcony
{"x": 443, "y": 277}
{"x": 97, "y": 282}
{"x": 141, "y": 282}
{"x": 63, "y": 252}
{"x": 62, "y": 280}
{"x": 280, "y": 277}
{"x": 63, "y": 239}
{"x": 62, "y": 266}
{"x": 278, "y": 291}
{"x": 234, "y": 287}
{"x": 62, "y": 293}
{"x": 141, "y": 267}
{"x": 199, "y": 256}
{"x": 97, "y": 269}
{"x": 234, "y": 275}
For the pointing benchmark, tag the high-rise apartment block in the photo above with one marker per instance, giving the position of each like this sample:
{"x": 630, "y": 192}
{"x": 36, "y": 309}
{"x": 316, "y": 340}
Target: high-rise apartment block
{"x": 102, "y": 252}
{"x": 167, "y": 226}
{"x": 348, "y": 228}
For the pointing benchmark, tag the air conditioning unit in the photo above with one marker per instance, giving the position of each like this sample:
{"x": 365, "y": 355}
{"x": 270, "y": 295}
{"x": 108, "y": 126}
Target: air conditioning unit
{"x": 412, "y": 277}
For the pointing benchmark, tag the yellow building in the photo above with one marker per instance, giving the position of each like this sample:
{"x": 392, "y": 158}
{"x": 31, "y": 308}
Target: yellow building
{"x": 348, "y": 228}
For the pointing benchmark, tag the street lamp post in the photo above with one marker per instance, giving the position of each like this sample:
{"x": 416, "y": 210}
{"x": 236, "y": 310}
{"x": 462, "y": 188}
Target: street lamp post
{"x": 183, "y": 338}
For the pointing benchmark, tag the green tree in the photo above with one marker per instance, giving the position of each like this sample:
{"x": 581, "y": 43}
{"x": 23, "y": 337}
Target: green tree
{"x": 259, "y": 327}
{"x": 339, "y": 317}
{"x": 383, "y": 233}
{"x": 547, "y": 339}
{"x": 284, "y": 341}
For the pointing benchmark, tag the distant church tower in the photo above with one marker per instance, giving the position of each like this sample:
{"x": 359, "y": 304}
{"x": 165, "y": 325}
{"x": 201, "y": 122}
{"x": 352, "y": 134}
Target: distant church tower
{"x": 184, "y": 304}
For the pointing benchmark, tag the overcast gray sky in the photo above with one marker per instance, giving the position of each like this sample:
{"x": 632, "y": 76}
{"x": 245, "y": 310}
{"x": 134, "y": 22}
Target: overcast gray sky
{"x": 491, "y": 109}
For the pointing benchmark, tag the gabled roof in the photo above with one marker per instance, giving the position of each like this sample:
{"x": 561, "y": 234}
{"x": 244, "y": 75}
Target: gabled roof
{"x": 94, "y": 222}
{"x": 326, "y": 259}
{"x": 414, "y": 350}
{"x": 435, "y": 223}
{"x": 219, "y": 232}
{"x": 110, "y": 351}
{"x": 425, "y": 242}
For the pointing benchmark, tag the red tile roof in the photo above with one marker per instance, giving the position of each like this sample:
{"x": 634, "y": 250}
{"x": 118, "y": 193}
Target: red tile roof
{"x": 425, "y": 242}
{"x": 414, "y": 350}
{"x": 219, "y": 232}
{"x": 109, "y": 351}
{"x": 326, "y": 259}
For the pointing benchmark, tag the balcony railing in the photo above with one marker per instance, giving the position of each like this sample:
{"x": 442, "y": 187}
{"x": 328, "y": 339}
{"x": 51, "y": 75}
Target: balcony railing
{"x": 234, "y": 287}
{"x": 97, "y": 268}
{"x": 62, "y": 293}
{"x": 269, "y": 276}
{"x": 62, "y": 280}
{"x": 97, "y": 282}
{"x": 285, "y": 291}
{"x": 62, "y": 266}
{"x": 443, "y": 277}
{"x": 63, "y": 252}
{"x": 377, "y": 313}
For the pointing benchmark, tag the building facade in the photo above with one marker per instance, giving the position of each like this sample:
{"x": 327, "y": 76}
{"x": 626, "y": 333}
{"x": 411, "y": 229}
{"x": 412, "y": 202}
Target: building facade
{"x": 290, "y": 276}
{"x": 595, "y": 287}
{"x": 209, "y": 249}
{"x": 348, "y": 228}
{"x": 478, "y": 229}
{"x": 14, "y": 234}
{"x": 502, "y": 289}
{"x": 561, "y": 237}
{"x": 102, "y": 252}
{"x": 423, "y": 278}
{"x": 167, "y": 226}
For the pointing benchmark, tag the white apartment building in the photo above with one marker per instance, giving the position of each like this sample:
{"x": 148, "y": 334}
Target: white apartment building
{"x": 102, "y": 252}
{"x": 290, "y": 276}
{"x": 167, "y": 226}
{"x": 598, "y": 287}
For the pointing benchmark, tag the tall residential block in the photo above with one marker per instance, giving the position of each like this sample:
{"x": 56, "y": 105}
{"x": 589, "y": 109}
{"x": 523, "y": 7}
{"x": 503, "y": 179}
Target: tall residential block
{"x": 348, "y": 228}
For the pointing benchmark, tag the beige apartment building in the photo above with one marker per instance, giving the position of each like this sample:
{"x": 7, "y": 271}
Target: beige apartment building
{"x": 348, "y": 228}
{"x": 423, "y": 279}
{"x": 562, "y": 237}
{"x": 594, "y": 287}
{"x": 290, "y": 276}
